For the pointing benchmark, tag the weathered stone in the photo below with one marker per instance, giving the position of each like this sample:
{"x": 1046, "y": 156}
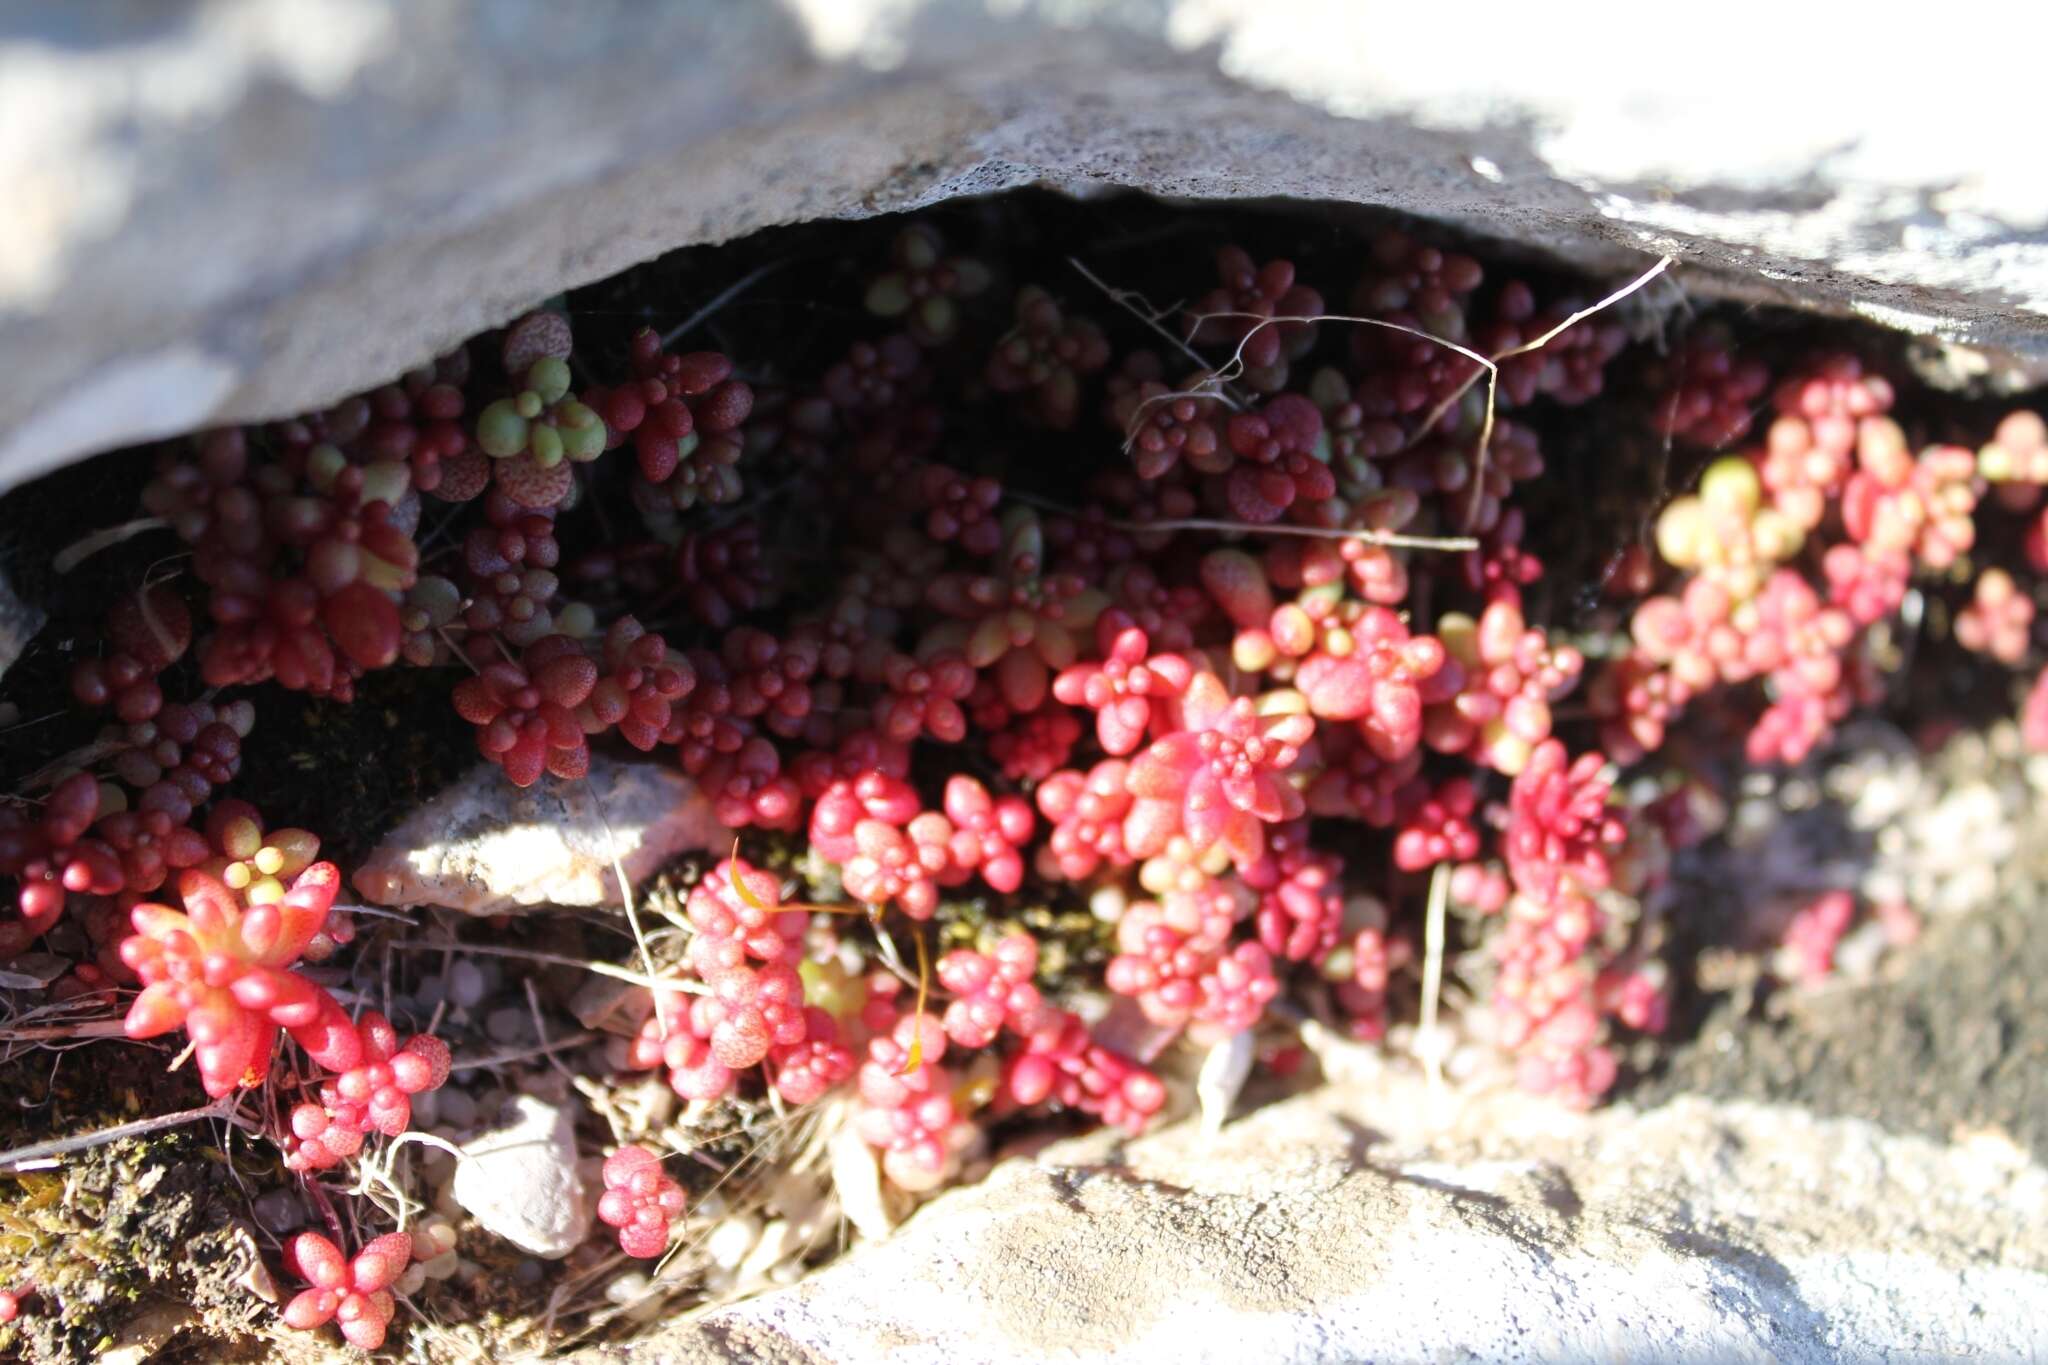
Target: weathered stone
{"x": 1340, "y": 1226}
{"x": 19, "y": 622}
{"x": 485, "y": 846}
{"x": 521, "y": 1182}
{"x": 32, "y": 971}
{"x": 238, "y": 209}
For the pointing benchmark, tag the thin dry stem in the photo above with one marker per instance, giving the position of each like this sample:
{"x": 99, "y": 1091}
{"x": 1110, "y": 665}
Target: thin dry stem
{"x": 1426, "y": 1041}
{"x": 723, "y": 297}
{"x": 656, "y": 983}
{"x": 78, "y": 1032}
{"x": 1140, "y": 307}
{"x": 1366, "y": 534}
{"x": 611, "y": 846}
{"x": 1486, "y": 430}
{"x": 43, "y": 1153}
{"x": 374, "y": 1176}
{"x": 1234, "y": 367}
{"x": 1372, "y": 537}
{"x": 85, "y": 547}
{"x": 540, "y": 1028}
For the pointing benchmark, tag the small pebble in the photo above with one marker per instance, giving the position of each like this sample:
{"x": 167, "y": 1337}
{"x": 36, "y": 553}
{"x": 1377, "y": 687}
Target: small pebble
{"x": 466, "y": 985}
{"x": 522, "y": 1183}
{"x": 775, "y": 1245}
{"x": 430, "y": 993}
{"x": 731, "y": 1240}
{"x": 426, "y": 1109}
{"x": 457, "y": 1109}
{"x": 432, "y": 1237}
{"x": 279, "y": 1210}
{"x": 527, "y": 1272}
{"x": 626, "y": 1288}
{"x": 1857, "y": 954}
{"x": 509, "y": 1025}
{"x": 1797, "y": 793}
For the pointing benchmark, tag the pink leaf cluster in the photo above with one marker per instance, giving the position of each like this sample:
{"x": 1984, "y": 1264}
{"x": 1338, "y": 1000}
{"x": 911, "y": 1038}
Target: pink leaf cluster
{"x": 355, "y": 1294}
{"x": 640, "y": 1200}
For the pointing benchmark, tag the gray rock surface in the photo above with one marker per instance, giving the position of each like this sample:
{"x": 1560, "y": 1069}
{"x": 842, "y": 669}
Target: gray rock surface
{"x": 521, "y": 1181}
{"x": 1341, "y": 1227}
{"x": 484, "y": 846}
{"x": 19, "y": 622}
{"x": 237, "y": 209}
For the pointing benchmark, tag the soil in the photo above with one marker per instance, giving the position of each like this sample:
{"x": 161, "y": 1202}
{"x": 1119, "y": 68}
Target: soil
{"x": 141, "y": 1238}
{"x": 1956, "y": 1041}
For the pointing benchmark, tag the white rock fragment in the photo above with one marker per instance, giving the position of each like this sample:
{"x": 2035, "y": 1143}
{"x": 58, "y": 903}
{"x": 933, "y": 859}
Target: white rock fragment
{"x": 1224, "y": 1068}
{"x": 485, "y": 846}
{"x": 731, "y": 1240}
{"x": 1341, "y": 1059}
{"x": 776, "y": 1244}
{"x": 1337, "y": 1226}
{"x": 857, "y": 1180}
{"x": 521, "y": 1180}
{"x": 626, "y": 1288}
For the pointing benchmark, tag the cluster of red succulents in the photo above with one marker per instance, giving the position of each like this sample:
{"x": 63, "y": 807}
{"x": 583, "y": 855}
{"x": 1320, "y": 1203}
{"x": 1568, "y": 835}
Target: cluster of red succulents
{"x": 925, "y": 286}
{"x": 1170, "y": 688}
{"x": 726, "y": 571}
{"x": 51, "y": 857}
{"x": 1792, "y": 552}
{"x": 1507, "y": 674}
{"x": 1179, "y": 961}
{"x": 1261, "y": 312}
{"x": 305, "y": 557}
{"x": 114, "y": 839}
{"x": 1561, "y": 844}
{"x": 147, "y": 630}
{"x": 639, "y": 1200}
{"x": 1707, "y": 395}
{"x": 220, "y": 969}
{"x": 353, "y": 1293}
{"x": 1061, "y": 1062}
{"x": 684, "y": 414}
{"x": 374, "y": 1095}
{"x": 991, "y": 991}
{"x": 1216, "y": 776}
{"x": 745, "y": 950}
{"x": 1045, "y": 358}
{"x": 908, "y": 1111}
{"x": 254, "y": 905}
{"x": 1999, "y": 620}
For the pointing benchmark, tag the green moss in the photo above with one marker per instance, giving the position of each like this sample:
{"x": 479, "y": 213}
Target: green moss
{"x": 117, "y": 1228}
